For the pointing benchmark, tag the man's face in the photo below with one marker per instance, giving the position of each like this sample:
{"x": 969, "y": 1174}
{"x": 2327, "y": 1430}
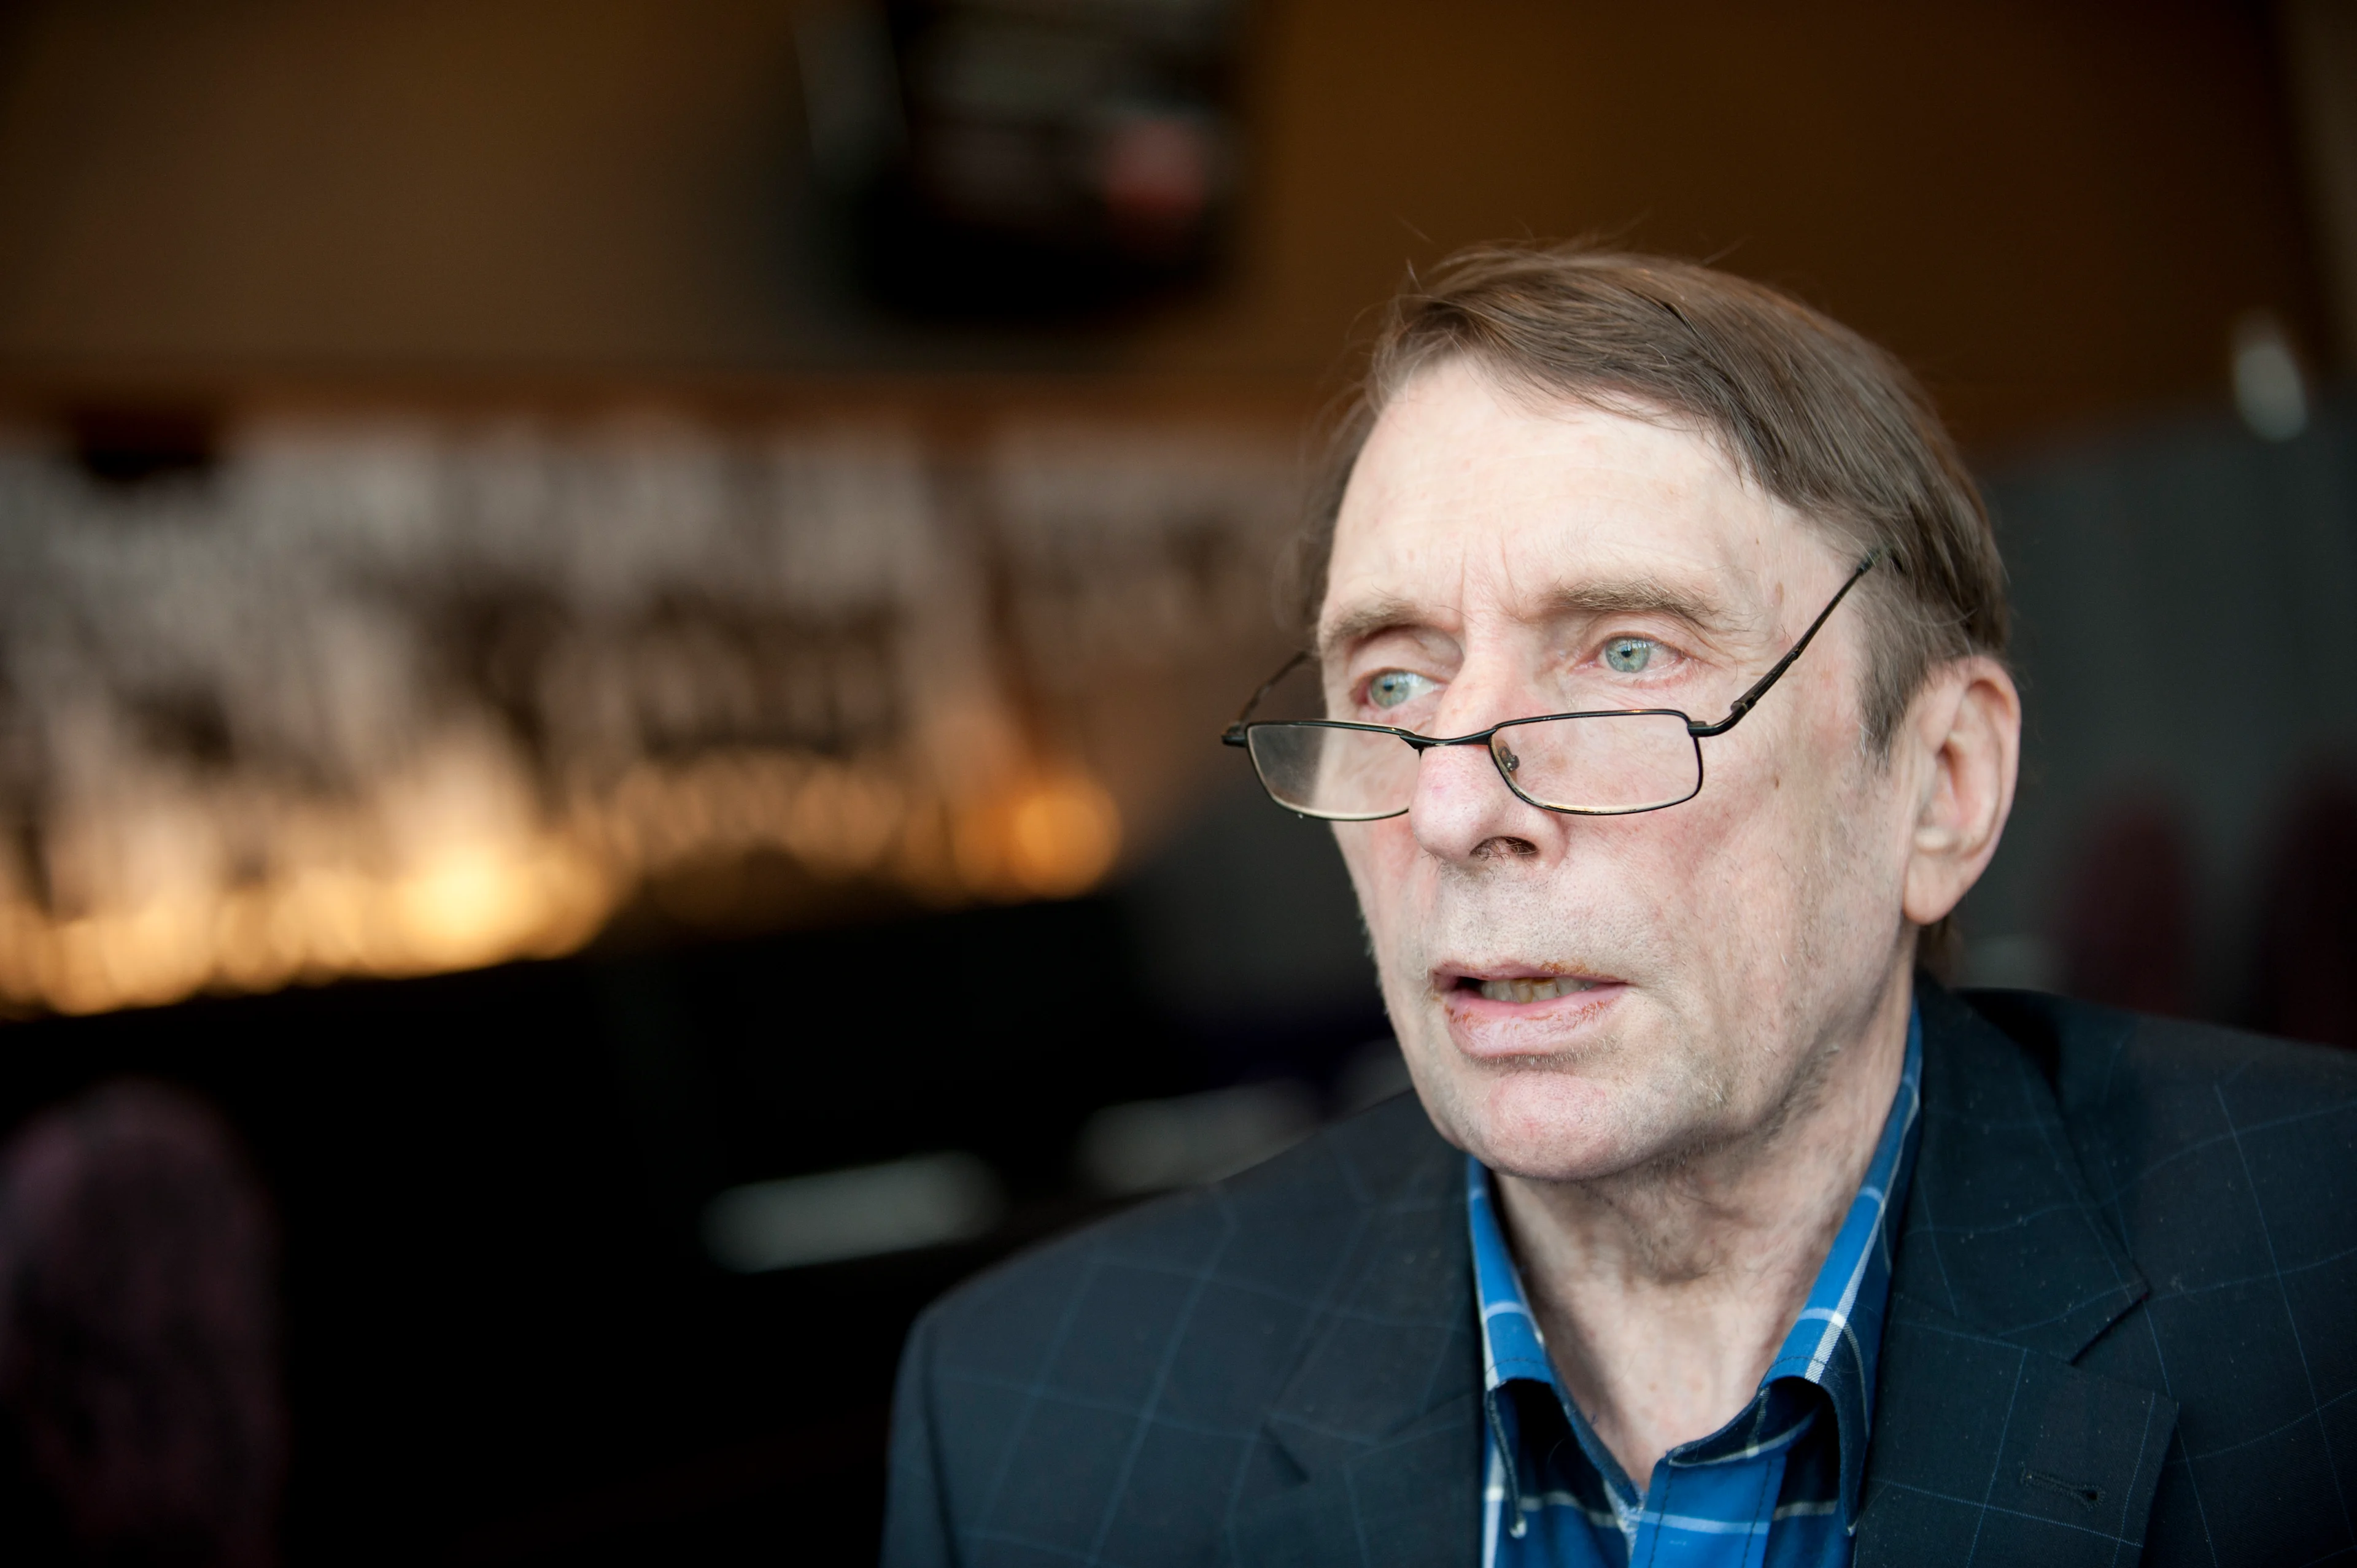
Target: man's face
{"x": 1578, "y": 996}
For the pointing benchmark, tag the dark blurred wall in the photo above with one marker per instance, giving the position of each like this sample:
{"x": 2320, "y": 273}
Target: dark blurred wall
{"x": 2054, "y": 211}
{"x": 2185, "y": 600}
{"x": 204, "y": 189}
{"x": 2320, "y": 55}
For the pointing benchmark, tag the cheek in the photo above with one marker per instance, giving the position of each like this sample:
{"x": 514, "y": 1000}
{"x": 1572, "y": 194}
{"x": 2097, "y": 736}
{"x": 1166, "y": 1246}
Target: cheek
{"x": 1393, "y": 878}
{"x": 1386, "y": 868}
{"x": 1808, "y": 887}
{"x": 1694, "y": 866}
{"x": 1727, "y": 883}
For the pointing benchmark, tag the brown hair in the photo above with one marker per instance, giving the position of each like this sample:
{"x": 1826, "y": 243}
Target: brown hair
{"x": 1814, "y": 413}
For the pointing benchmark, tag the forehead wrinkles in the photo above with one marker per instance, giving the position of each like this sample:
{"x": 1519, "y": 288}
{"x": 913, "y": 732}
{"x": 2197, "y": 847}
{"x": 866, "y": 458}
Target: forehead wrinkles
{"x": 1464, "y": 490}
{"x": 1699, "y": 606}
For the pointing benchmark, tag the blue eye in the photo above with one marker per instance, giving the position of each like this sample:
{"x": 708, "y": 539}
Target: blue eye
{"x": 1629, "y": 655}
{"x": 1392, "y": 687}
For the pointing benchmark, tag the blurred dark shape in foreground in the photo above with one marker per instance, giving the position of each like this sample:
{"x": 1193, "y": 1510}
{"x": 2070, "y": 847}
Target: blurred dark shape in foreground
{"x": 2126, "y": 916}
{"x": 138, "y": 1353}
{"x": 608, "y": 1260}
{"x": 2306, "y": 972}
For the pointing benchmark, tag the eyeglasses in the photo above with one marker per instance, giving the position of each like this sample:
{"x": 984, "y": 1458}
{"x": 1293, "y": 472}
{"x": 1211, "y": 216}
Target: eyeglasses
{"x": 1607, "y": 764}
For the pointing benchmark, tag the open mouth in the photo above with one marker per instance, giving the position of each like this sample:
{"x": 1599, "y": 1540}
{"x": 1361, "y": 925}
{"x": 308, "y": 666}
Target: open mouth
{"x": 1529, "y": 988}
{"x": 1516, "y": 1010}
{"x": 1509, "y": 987}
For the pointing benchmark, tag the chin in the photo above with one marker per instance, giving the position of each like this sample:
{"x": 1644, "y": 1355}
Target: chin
{"x": 1541, "y": 1124}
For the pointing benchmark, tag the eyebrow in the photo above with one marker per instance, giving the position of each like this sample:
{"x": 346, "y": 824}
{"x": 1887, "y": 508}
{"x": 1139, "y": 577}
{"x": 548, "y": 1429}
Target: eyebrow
{"x": 1382, "y": 615}
{"x": 1625, "y": 595}
{"x": 1646, "y": 596}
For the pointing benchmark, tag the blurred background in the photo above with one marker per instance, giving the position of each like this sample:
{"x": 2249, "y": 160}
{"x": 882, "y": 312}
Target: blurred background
{"x": 613, "y": 618}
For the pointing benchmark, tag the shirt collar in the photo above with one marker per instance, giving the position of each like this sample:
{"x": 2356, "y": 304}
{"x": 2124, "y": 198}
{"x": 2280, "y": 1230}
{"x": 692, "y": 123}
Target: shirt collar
{"x": 1834, "y": 1342}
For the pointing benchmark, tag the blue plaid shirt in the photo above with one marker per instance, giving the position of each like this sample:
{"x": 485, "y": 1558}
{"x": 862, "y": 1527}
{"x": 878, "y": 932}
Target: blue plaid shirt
{"x": 1778, "y": 1484}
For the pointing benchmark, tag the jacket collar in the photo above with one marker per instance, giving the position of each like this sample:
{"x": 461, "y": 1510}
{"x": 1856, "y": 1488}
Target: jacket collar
{"x": 1382, "y": 1418}
{"x": 2001, "y": 1229}
{"x": 2006, "y": 1271}
{"x": 1984, "y": 1432}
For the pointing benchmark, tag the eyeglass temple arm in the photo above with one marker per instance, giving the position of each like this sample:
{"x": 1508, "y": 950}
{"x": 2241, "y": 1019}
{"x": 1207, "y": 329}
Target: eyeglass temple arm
{"x": 1743, "y": 704}
{"x": 1235, "y": 733}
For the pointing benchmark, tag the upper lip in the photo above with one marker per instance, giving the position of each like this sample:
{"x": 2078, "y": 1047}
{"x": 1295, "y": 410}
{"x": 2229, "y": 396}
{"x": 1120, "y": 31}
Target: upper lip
{"x": 1450, "y": 974}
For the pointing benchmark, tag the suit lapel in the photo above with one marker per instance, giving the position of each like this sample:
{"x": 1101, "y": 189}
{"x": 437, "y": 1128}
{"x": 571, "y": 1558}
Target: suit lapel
{"x": 1988, "y": 1444}
{"x": 1409, "y": 1501}
{"x": 1382, "y": 1418}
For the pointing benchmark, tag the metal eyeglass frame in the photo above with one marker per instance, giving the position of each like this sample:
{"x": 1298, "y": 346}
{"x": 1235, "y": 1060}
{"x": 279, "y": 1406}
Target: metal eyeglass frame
{"x": 1239, "y": 733}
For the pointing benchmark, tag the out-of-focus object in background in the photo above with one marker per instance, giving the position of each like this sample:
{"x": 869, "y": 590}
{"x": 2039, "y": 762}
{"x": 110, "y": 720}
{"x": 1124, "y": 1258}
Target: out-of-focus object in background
{"x": 2150, "y": 568}
{"x": 1001, "y": 159}
{"x": 1153, "y": 1146}
{"x": 2306, "y": 977}
{"x": 925, "y": 1200}
{"x": 390, "y": 698}
{"x": 2318, "y": 43}
{"x": 2127, "y": 918}
{"x": 2270, "y": 389}
{"x": 138, "y": 1333}
{"x": 2011, "y": 960}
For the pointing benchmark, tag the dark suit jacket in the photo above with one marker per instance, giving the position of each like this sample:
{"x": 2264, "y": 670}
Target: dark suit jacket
{"x": 2122, "y": 1328}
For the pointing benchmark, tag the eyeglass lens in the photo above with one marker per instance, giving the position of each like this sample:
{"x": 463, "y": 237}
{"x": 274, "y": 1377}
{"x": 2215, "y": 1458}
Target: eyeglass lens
{"x": 1598, "y": 763}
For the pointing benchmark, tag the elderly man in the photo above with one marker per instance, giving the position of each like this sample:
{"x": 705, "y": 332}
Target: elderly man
{"x": 1658, "y": 633}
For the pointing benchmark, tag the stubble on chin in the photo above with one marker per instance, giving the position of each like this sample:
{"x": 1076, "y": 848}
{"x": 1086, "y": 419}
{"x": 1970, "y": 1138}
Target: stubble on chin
{"x": 1632, "y": 1102}
{"x": 1486, "y": 1105}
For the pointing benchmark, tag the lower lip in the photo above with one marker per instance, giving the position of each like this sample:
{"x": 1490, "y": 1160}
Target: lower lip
{"x": 1486, "y": 1029}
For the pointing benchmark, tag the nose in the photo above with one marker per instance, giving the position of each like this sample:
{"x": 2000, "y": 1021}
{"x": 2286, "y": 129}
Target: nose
{"x": 1462, "y": 810}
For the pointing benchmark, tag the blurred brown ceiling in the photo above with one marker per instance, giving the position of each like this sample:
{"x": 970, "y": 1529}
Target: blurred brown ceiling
{"x": 2054, "y": 211}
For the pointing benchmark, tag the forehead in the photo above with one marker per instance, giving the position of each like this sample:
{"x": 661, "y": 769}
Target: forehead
{"x": 1467, "y": 498}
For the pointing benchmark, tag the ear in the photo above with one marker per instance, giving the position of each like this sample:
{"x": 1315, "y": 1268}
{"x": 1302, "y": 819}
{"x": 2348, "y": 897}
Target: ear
{"x": 1964, "y": 729}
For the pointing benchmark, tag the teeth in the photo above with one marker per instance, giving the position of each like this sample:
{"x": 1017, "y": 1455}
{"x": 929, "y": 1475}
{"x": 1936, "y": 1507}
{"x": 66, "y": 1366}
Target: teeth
{"x": 1533, "y": 990}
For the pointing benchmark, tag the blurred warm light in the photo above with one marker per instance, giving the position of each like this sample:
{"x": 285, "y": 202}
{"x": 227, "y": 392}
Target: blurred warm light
{"x": 1050, "y": 836}
{"x": 388, "y": 699}
{"x": 1061, "y": 835}
{"x": 544, "y": 891}
{"x": 472, "y": 904}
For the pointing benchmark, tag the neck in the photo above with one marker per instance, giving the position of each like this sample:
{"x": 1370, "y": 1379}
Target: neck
{"x": 1665, "y": 1292}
